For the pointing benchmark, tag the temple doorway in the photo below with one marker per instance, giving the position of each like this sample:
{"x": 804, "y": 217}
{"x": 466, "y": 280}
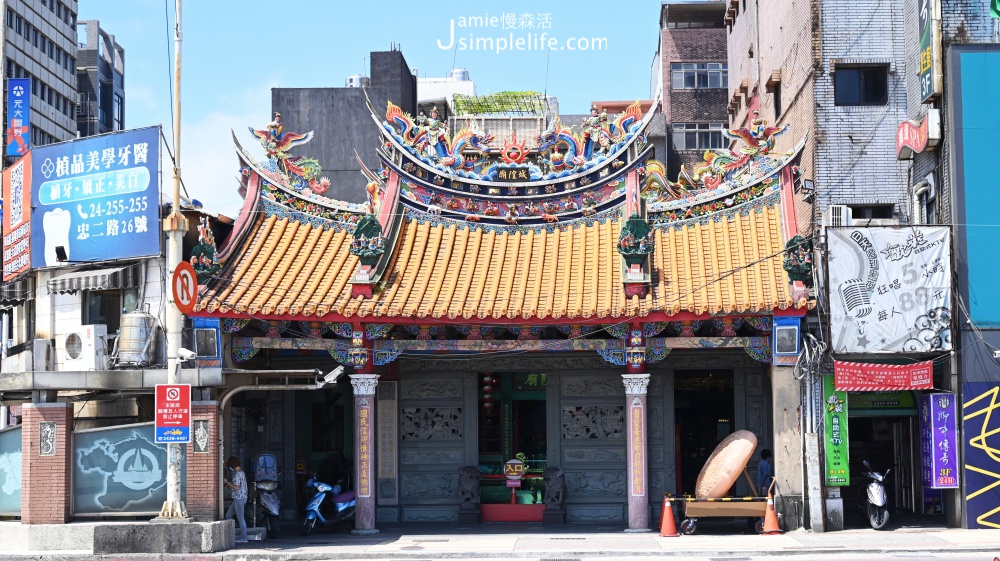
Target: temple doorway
{"x": 512, "y": 424}
{"x": 704, "y": 410}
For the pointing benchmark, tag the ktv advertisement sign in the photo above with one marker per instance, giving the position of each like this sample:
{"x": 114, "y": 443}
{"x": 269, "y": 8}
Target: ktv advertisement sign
{"x": 890, "y": 289}
{"x": 939, "y": 441}
{"x": 97, "y": 198}
{"x": 173, "y": 413}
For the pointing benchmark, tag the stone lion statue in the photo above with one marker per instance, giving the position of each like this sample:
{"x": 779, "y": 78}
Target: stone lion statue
{"x": 468, "y": 486}
{"x": 555, "y": 487}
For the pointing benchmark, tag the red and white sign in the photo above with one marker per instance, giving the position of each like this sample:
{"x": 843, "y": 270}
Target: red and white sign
{"x": 173, "y": 413}
{"x": 865, "y": 377}
{"x": 915, "y": 138}
{"x": 185, "y": 286}
{"x": 17, "y": 218}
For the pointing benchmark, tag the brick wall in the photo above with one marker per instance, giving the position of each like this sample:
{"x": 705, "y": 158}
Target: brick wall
{"x": 203, "y": 482}
{"x": 45, "y": 480}
{"x": 690, "y": 106}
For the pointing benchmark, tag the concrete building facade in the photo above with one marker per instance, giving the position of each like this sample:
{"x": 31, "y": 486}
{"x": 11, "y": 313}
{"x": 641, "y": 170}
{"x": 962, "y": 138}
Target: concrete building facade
{"x": 100, "y": 72}
{"x": 40, "y": 43}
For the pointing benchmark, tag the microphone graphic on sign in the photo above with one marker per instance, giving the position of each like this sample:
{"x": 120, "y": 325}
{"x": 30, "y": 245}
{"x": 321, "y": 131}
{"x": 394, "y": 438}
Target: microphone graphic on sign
{"x": 854, "y": 294}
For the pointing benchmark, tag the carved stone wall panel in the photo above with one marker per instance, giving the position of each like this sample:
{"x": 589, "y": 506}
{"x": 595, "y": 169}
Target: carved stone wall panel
{"x": 594, "y": 455}
{"x": 596, "y": 514}
{"x": 579, "y": 386}
{"x": 386, "y": 391}
{"x": 533, "y": 363}
{"x": 656, "y": 455}
{"x": 430, "y": 514}
{"x": 430, "y": 457}
{"x": 655, "y": 420}
{"x": 755, "y": 420}
{"x": 595, "y": 484}
{"x": 442, "y": 388}
{"x": 429, "y": 485}
{"x": 430, "y": 423}
{"x": 655, "y": 385}
{"x": 387, "y": 515}
{"x": 593, "y": 421}
{"x": 656, "y": 480}
{"x": 753, "y": 385}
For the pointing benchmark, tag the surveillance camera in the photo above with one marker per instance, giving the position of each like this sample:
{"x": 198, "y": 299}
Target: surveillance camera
{"x": 187, "y": 354}
{"x": 334, "y": 374}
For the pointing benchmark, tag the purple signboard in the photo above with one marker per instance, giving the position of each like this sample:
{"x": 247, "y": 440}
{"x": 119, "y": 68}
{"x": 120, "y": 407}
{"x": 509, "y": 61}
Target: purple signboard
{"x": 938, "y": 441}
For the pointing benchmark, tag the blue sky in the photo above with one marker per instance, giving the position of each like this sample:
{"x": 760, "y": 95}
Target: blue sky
{"x": 234, "y": 52}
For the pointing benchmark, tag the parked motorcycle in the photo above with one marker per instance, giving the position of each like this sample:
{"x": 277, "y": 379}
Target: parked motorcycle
{"x": 267, "y": 505}
{"x": 338, "y": 504}
{"x": 873, "y": 500}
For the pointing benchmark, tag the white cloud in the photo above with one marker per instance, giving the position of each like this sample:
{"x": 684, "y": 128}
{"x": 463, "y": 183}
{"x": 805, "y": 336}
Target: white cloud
{"x": 209, "y": 167}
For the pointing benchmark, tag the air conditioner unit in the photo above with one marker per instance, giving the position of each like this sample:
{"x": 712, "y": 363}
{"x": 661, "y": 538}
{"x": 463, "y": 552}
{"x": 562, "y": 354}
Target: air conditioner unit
{"x": 86, "y": 349}
{"x": 876, "y": 222}
{"x": 837, "y": 215}
{"x": 41, "y": 351}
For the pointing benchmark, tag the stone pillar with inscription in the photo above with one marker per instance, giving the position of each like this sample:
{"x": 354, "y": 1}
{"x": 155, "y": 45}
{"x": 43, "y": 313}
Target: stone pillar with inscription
{"x": 638, "y": 453}
{"x": 364, "y": 452}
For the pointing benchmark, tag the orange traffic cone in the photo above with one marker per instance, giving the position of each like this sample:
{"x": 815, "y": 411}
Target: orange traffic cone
{"x": 770, "y": 517}
{"x": 667, "y": 527}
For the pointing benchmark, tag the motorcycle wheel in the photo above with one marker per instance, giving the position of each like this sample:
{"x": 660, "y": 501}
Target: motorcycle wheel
{"x": 273, "y": 527}
{"x": 308, "y": 527}
{"x": 878, "y": 516}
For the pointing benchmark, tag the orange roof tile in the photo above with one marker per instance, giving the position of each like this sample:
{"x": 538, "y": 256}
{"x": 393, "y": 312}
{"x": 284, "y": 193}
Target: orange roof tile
{"x": 455, "y": 270}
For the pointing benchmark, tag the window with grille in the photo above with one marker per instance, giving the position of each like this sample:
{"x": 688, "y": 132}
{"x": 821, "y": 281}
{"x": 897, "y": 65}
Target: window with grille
{"x": 697, "y": 136}
{"x": 699, "y": 75}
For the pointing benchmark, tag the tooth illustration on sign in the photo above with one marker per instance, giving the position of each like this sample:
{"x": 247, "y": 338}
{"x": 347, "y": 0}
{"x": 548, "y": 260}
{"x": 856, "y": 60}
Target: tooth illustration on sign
{"x": 56, "y": 224}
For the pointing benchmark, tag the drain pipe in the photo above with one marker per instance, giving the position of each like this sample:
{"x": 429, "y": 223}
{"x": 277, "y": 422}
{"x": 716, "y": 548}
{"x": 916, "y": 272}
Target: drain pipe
{"x": 319, "y": 384}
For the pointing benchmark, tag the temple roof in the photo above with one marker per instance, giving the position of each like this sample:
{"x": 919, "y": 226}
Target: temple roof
{"x": 454, "y": 270}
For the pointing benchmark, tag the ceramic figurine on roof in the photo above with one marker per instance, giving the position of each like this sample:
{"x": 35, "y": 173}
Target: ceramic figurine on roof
{"x": 368, "y": 242}
{"x": 759, "y": 138}
{"x": 427, "y": 138}
{"x": 276, "y": 142}
{"x": 798, "y": 260}
{"x": 302, "y": 173}
{"x": 658, "y": 188}
{"x": 204, "y": 258}
{"x": 635, "y": 239}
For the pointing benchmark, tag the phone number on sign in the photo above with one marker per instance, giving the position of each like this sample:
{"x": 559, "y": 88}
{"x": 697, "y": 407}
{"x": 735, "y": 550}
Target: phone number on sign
{"x": 131, "y": 205}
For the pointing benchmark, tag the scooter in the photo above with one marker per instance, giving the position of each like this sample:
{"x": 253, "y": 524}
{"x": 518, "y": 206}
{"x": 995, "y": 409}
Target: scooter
{"x": 266, "y": 501}
{"x": 343, "y": 503}
{"x": 874, "y": 501}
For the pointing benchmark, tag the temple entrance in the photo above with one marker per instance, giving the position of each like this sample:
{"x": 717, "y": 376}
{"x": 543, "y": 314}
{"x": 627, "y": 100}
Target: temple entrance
{"x": 704, "y": 411}
{"x": 512, "y": 424}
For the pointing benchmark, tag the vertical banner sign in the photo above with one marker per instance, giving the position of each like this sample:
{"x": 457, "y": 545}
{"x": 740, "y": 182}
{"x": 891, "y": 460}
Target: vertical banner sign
{"x": 18, "y": 116}
{"x": 364, "y": 452}
{"x": 838, "y": 472}
{"x": 173, "y": 413}
{"x": 638, "y": 462}
{"x": 928, "y": 20}
{"x": 17, "y": 218}
{"x": 97, "y": 198}
{"x": 890, "y": 289}
{"x": 939, "y": 441}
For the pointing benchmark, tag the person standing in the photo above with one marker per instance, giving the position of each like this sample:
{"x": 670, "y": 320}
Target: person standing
{"x": 239, "y": 486}
{"x": 765, "y": 472}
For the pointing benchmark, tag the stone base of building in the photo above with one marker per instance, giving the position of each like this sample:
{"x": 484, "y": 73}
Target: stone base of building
{"x": 554, "y": 516}
{"x": 789, "y": 509}
{"x": 118, "y": 537}
{"x": 469, "y": 516}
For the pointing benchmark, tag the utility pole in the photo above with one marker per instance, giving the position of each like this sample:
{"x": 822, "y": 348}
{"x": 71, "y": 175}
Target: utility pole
{"x": 175, "y": 226}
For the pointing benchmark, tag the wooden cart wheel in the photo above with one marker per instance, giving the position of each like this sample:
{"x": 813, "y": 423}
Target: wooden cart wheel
{"x": 688, "y": 526}
{"x": 759, "y": 526}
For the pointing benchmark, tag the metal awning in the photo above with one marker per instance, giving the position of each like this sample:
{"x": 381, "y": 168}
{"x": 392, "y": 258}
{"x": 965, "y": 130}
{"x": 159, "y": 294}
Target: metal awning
{"x": 17, "y": 291}
{"x": 96, "y": 279}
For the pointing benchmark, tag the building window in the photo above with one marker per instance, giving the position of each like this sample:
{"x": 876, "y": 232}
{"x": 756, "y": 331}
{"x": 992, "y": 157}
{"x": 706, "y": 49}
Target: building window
{"x": 119, "y": 111}
{"x": 698, "y": 75}
{"x": 861, "y": 85}
{"x": 17, "y": 24}
{"x": 10, "y": 18}
{"x": 697, "y": 136}
{"x": 873, "y": 211}
{"x": 105, "y": 307}
{"x": 776, "y": 96}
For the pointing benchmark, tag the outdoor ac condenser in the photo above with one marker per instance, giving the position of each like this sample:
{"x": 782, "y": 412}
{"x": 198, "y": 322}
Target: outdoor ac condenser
{"x": 84, "y": 349}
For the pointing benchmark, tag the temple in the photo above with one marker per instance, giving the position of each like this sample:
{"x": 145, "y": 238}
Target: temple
{"x": 553, "y": 297}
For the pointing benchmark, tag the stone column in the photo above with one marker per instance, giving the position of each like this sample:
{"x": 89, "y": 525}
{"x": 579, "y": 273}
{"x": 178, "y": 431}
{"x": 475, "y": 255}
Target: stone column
{"x": 45, "y": 476}
{"x": 364, "y": 452}
{"x": 203, "y": 484}
{"x": 637, "y": 450}
{"x": 788, "y": 468}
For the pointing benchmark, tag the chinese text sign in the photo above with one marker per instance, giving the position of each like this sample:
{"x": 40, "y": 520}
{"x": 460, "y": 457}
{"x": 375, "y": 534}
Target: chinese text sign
{"x": 838, "y": 472}
{"x": 939, "y": 441}
{"x": 97, "y": 198}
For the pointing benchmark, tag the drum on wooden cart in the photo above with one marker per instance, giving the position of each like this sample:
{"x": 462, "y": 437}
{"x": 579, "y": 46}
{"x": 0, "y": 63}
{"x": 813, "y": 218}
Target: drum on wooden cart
{"x": 752, "y": 507}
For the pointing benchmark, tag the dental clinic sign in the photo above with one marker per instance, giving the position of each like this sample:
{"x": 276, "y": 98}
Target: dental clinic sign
{"x": 97, "y": 198}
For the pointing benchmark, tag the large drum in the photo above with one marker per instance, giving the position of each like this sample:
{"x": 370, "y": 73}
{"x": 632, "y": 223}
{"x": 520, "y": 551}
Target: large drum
{"x": 725, "y": 465}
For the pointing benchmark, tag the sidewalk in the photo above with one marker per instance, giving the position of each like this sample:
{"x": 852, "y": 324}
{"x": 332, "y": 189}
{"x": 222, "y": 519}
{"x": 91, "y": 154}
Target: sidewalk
{"x": 494, "y": 541}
